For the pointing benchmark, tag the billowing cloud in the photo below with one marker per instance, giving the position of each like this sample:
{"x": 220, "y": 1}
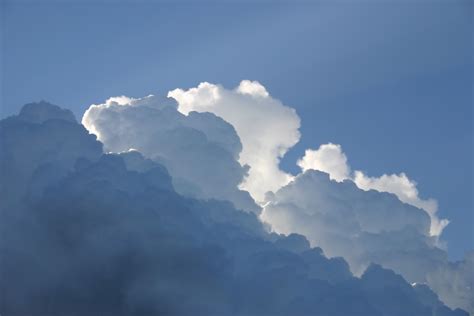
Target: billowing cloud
{"x": 214, "y": 140}
{"x": 266, "y": 127}
{"x": 368, "y": 227}
{"x": 200, "y": 150}
{"x": 331, "y": 159}
{"x": 328, "y": 158}
{"x": 405, "y": 189}
{"x": 249, "y": 126}
{"x": 111, "y": 237}
{"x": 43, "y": 139}
{"x": 335, "y": 216}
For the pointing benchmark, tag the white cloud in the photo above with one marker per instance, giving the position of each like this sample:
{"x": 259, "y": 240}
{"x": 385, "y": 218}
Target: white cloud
{"x": 356, "y": 219}
{"x": 252, "y": 88}
{"x": 405, "y": 189}
{"x": 328, "y": 158}
{"x": 331, "y": 159}
{"x": 199, "y": 150}
{"x": 266, "y": 127}
{"x": 368, "y": 226}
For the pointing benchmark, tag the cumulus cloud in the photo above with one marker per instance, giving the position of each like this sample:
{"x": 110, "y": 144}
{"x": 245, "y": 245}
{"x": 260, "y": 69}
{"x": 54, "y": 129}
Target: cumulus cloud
{"x": 331, "y": 159}
{"x": 153, "y": 227}
{"x": 328, "y": 158}
{"x": 214, "y": 141}
{"x": 334, "y": 216}
{"x": 454, "y": 281}
{"x": 266, "y": 127}
{"x": 406, "y": 190}
{"x": 111, "y": 237}
{"x": 43, "y": 139}
{"x": 198, "y": 149}
{"x": 365, "y": 227}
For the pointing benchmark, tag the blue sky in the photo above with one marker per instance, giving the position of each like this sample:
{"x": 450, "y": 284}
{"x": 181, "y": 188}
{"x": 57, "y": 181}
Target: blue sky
{"x": 391, "y": 82}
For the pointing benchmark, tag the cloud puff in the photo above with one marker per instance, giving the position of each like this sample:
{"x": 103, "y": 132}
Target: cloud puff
{"x": 266, "y": 127}
{"x": 328, "y": 158}
{"x": 367, "y": 226}
{"x": 331, "y": 159}
{"x": 199, "y": 149}
{"x": 112, "y": 237}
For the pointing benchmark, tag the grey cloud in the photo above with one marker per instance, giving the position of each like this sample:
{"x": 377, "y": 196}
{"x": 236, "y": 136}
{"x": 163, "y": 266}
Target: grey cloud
{"x": 43, "y": 139}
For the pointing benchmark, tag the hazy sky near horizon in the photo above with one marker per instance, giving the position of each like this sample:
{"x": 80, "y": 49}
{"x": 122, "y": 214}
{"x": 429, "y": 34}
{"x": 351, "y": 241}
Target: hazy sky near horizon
{"x": 391, "y": 82}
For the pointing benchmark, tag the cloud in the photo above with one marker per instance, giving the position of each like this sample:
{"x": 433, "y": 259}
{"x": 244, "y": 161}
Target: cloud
{"x": 328, "y": 158}
{"x": 335, "y": 215}
{"x": 331, "y": 159}
{"x": 455, "y": 282}
{"x": 111, "y": 237}
{"x": 201, "y": 137}
{"x": 266, "y": 127}
{"x": 405, "y": 189}
{"x": 43, "y": 139}
{"x": 365, "y": 227}
{"x": 200, "y": 150}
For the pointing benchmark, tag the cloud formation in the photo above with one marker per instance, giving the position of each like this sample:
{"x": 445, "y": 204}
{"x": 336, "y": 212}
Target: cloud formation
{"x": 111, "y": 237}
{"x": 328, "y": 158}
{"x": 368, "y": 227}
{"x": 266, "y": 127}
{"x": 331, "y": 159}
{"x": 43, "y": 139}
{"x": 362, "y": 228}
{"x": 193, "y": 147}
{"x": 150, "y": 224}
{"x": 405, "y": 189}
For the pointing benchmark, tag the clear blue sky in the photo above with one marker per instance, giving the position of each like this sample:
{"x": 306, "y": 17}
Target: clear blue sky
{"x": 391, "y": 82}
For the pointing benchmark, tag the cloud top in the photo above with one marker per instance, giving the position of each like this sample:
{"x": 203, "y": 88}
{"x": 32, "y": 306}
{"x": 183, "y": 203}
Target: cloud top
{"x": 200, "y": 150}
{"x": 328, "y": 158}
{"x": 331, "y": 159}
{"x": 266, "y": 127}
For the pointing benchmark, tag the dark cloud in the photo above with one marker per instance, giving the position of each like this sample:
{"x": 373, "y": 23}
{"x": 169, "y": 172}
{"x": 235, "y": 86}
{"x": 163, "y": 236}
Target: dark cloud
{"x": 40, "y": 144}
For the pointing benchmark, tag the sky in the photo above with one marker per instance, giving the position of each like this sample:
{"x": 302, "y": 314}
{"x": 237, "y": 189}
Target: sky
{"x": 236, "y": 158}
{"x": 391, "y": 82}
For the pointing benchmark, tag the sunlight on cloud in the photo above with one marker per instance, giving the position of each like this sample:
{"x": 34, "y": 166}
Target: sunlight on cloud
{"x": 405, "y": 189}
{"x": 266, "y": 127}
{"x": 226, "y": 144}
{"x": 331, "y": 159}
{"x": 328, "y": 158}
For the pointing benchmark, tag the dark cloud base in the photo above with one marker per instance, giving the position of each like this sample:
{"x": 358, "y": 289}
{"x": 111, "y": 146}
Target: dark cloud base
{"x": 87, "y": 233}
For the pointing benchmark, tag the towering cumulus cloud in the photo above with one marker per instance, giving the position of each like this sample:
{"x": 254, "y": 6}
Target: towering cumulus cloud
{"x": 266, "y": 127}
{"x": 148, "y": 218}
{"x": 355, "y": 228}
